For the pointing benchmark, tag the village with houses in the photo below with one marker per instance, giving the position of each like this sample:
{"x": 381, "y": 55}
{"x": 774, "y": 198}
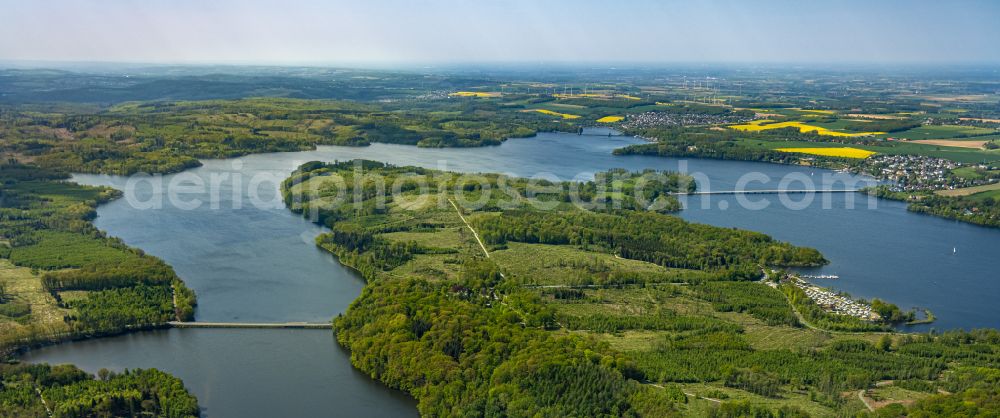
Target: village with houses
{"x": 917, "y": 173}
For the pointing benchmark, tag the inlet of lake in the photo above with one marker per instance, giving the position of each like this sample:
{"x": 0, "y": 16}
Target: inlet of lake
{"x": 250, "y": 260}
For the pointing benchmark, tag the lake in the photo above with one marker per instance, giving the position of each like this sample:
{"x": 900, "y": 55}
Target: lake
{"x": 250, "y": 260}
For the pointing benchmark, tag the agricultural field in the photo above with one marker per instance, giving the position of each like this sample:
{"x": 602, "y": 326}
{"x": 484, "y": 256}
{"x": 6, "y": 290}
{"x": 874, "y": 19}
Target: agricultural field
{"x": 981, "y": 196}
{"x": 942, "y": 132}
{"x": 554, "y": 113}
{"x": 26, "y": 308}
{"x": 963, "y": 155}
{"x": 763, "y": 125}
{"x": 967, "y": 143}
{"x": 974, "y": 173}
{"x": 875, "y": 116}
{"x": 984, "y": 120}
{"x": 976, "y": 191}
{"x": 814, "y": 111}
{"x": 839, "y": 152}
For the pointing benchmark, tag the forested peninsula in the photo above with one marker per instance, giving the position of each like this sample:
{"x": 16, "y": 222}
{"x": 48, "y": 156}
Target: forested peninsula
{"x": 504, "y": 309}
{"x": 66, "y": 280}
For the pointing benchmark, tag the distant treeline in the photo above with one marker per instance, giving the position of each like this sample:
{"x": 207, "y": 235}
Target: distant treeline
{"x": 163, "y": 137}
{"x": 980, "y": 210}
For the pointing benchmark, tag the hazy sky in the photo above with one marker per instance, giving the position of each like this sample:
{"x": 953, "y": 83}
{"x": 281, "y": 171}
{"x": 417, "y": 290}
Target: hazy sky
{"x": 451, "y": 31}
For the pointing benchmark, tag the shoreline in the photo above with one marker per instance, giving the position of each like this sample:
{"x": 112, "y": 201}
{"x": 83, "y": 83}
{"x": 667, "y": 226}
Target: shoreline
{"x": 342, "y": 264}
{"x": 928, "y": 318}
{"x": 28, "y": 343}
{"x": 833, "y": 166}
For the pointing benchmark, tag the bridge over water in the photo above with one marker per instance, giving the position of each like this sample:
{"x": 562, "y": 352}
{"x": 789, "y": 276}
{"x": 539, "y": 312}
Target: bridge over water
{"x": 300, "y": 325}
{"x": 771, "y": 191}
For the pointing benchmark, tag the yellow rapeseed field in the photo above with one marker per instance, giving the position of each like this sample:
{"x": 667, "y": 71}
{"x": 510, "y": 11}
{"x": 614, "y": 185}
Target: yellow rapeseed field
{"x": 610, "y": 119}
{"x": 549, "y": 112}
{"x": 831, "y": 152}
{"x": 758, "y": 125}
{"x": 475, "y": 94}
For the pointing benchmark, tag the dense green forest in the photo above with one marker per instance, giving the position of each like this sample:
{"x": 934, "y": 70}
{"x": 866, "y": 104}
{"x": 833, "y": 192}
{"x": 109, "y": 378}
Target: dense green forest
{"x": 584, "y": 299}
{"x": 61, "y": 278}
{"x": 162, "y": 137}
{"x": 664, "y": 240}
{"x": 980, "y": 208}
{"x": 66, "y": 392}
{"x": 541, "y": 327}
{"x": 67, "y": 277}
{"x": 345, "y": 189}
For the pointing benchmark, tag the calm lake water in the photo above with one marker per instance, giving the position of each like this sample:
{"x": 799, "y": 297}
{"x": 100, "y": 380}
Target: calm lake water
{"x": 246, "y": 372}
{"x": 257, "y": 263}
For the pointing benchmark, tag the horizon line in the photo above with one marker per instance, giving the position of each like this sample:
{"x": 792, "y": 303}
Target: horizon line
{"x": 40, "y": 64}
